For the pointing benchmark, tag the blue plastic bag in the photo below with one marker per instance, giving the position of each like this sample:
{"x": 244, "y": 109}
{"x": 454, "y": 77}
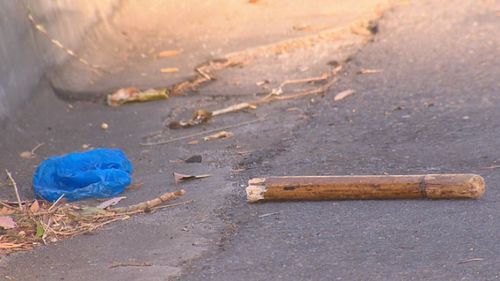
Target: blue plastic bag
{"x": 98, "y": 173}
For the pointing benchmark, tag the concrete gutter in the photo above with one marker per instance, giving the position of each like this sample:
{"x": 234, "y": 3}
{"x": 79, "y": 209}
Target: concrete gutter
{"x": 25, "y": 54}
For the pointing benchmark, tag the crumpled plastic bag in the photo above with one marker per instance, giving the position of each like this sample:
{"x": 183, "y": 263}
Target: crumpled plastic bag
{"x": 97, "y": 173}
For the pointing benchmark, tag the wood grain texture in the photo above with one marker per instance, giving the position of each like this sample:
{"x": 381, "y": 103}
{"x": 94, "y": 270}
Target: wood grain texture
{"x": 432, "y": 186}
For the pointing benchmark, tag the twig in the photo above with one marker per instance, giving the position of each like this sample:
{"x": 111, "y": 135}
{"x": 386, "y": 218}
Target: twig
{"x": 151, "y": 203}
{"x": 94, "y": 227}
{"x": 204, "y": 132}
{"x": 55, "y": 203}
{"x": 470, "y": 260}
{"x": 297, "y": 95}
{"x": 130, "y": 264}
{"x": 323, "y": 77}
{"x": 369, "y": 71}
{"x": 15, "y": 189}
{"x": 36, "y": 147}
{"x": 4, "y": 245}
{"x": 203, "y": 73}
{"x": 276, "y": 94}
{"x": 269, "y": 214}
{"x": 143, "y": 210}
{"x": 7, "y": 205}
{"x": 233, "y": 108}
{"x": 173, "y": 205}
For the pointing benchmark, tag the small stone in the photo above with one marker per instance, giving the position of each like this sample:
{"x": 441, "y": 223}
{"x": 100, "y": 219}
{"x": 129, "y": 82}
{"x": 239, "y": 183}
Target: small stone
{"x": 104, "y": 126}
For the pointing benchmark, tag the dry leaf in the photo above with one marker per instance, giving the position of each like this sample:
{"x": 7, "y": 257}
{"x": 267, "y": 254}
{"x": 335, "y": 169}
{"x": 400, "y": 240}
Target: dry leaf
{"x": 218, "y": 135}
{"x": 181, "y": 177}
{"x": 110, "y": 202}
{"x": 193, "y": 142}
{"x": 169, "y": 70}
{"x": 35, "y": 207}
{"x": 344, "y": 94}
{"x": 7, "y": 222}
{"x": 126, "y": 95}
{"x": 6, "y": 211}
{"x": 168, "y": 53}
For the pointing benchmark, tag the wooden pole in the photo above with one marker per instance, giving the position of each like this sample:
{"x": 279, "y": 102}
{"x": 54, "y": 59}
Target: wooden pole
{"x": 443, "y": 186}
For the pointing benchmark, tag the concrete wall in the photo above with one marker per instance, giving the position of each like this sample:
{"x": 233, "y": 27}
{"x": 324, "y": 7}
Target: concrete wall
{"x": 25, "y": 54}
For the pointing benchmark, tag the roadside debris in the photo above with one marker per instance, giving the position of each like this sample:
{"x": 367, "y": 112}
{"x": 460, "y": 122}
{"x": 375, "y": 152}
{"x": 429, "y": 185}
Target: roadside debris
{"x": 366, "y": 27}
{"x": 369, "y": 71}
{"x": 6, "y": 209}
{"x": 275, "y": 95}
{"x": 169, "y": 70}
{"x": 97, "y": 173}
{"x": 204, "y": 74}
{"x": 35, "y": 207}
{"x": 30, "y": 154}
{"x": 127, "y": 95}
{"x": 104, "y": 126}
{"x": 7, "y": 222}
{"x": 53, "y": 222}
{"x": 168, "y": 53}
{"x": 218, "y": 135}
{"x": 344, "y": 94}
{"x": 110, "y": 202}
{"x": 443, "y": 186}
{"x": 158, "y": 139}
{"x": 199, "y": 117}
{"x": 181, "y": 177}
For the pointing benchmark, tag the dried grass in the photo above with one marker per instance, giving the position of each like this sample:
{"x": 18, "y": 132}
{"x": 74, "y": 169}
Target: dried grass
{"x": 49, "y": 223}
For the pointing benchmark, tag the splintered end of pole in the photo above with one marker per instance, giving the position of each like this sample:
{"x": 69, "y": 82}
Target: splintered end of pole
{"x": 255, "y": 190}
